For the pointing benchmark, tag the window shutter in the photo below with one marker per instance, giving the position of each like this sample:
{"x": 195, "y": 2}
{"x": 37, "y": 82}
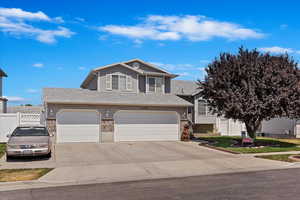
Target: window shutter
{"x": 108, "y": 82}
{"x": 128, "y": 83}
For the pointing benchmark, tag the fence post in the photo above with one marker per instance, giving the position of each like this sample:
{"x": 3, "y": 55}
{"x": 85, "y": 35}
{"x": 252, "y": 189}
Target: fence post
{"x": 18, "y": 118}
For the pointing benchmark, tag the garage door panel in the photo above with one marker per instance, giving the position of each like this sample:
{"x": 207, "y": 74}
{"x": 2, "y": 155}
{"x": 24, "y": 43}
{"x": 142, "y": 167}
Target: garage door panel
{"x": 146, "y": 118}
{"x": 78, "y": 126}
{"x": 146, "y": 126}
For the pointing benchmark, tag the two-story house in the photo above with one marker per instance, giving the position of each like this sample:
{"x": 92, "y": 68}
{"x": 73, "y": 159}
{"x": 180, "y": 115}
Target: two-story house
{"x": 127, "y": 101}
{"x": 135, "y": 101}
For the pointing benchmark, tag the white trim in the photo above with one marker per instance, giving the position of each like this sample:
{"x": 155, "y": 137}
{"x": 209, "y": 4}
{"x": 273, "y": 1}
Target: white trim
{"x": 129, "y": 82}
{"x": 146, "y": 82}
{"x": 76, "y": 110}
{"x": 127, "y": 79}
{"x": 137, "y": 83}
{"x": 99, "y": 81}
{"x": 108, "y": 81}
{"x": 155, "y": 78}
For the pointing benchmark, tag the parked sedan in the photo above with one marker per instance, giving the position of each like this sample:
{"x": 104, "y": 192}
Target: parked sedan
{"x": 29, "y": 141}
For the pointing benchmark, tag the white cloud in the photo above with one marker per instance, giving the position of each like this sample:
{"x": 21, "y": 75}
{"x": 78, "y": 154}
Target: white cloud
{"x": 58, "y": 20}
{"x": 15, "y": 99}
{"x": 32, "y": 91}
{"x": 21, "y": 14}
{"x": 82, "y": 68}
{"x": 277, "y": 50}
{"x": 184, "y": 74}
{"x": 15, "y": 22}
{"x": 80, "y": 19}
{"x": 38, "y": 65}
{"x": 193, "y": 28}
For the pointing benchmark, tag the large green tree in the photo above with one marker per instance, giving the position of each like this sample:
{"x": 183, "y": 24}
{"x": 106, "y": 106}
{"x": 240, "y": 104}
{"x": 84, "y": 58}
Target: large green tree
{"x": 251, "y": 87}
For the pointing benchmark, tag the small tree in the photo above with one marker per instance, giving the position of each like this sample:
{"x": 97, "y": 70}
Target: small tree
{"x": 251, "y": 87}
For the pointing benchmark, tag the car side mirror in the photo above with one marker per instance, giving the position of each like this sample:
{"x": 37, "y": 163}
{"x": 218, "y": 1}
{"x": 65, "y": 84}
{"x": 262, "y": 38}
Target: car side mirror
{"x": 8, "y": 135}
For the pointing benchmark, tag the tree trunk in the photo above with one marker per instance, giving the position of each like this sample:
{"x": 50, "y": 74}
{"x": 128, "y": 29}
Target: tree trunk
{"x": 252, "y": 127}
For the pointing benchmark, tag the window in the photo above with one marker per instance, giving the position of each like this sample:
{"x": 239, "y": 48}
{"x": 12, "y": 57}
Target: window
{"x": 108, "y": 82}
{"x": 155, "y": 84}
{"x": 122, "y": 83}
{"x": 159, "y": 84}
{"x": 115, "y": 82}
{"x": 151, "y": 84}
{"x": 202, "y": 107}
{"x": 118, "y": 82}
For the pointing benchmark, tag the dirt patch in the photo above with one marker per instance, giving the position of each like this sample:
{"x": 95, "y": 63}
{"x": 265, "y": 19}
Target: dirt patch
{"x": 11, "y": 175}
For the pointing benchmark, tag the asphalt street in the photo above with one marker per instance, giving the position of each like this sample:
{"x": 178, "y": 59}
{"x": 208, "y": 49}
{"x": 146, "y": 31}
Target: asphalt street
{"x": 264, "y": 185}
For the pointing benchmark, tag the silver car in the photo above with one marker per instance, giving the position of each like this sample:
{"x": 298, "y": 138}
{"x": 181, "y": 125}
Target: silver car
{"x": 29, "y": 141}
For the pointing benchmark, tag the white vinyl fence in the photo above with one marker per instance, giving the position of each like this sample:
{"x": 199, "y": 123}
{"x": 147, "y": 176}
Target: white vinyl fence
{"x": 8, "y": 122}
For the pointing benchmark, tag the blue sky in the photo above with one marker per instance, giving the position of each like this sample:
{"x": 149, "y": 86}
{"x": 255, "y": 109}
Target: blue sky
{"x": 56, "y": 43}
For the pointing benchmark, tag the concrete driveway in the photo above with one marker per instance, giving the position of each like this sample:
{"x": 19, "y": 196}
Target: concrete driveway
{"x": 82, "y": 154}
{"x": 111, "y": 162}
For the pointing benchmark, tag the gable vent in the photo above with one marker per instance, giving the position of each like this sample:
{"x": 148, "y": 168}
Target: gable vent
{"x": 136, "y": 65}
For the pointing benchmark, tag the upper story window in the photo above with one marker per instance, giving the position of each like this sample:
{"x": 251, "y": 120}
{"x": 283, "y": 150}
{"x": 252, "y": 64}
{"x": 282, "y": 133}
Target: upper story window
{"x": 118, "y": 82}
{"x": 155, "y": 84}
{"x": 203, "y": 108}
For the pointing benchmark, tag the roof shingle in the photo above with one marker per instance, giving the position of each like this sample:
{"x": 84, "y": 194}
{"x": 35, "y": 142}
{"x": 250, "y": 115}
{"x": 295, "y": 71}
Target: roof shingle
{"x": 84, "y": 96}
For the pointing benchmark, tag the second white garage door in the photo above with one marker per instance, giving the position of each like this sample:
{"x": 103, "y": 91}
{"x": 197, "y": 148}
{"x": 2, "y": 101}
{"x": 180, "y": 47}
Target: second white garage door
{"x": 78, "y": 126}
{"x": 146, "y": 126}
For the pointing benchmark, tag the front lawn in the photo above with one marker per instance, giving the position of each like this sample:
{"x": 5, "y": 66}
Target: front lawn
{"x": 2, "y": 149}
{"x": 9, "y": 175}
{"x": 263, "y": 145}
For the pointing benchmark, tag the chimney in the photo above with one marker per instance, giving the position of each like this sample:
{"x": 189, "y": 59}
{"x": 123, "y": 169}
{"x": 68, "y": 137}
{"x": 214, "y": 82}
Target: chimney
{"x": 3, "y": 101}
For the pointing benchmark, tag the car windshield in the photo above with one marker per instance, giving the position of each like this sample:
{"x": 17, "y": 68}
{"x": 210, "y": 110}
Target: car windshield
{"x": 30, "y": 131}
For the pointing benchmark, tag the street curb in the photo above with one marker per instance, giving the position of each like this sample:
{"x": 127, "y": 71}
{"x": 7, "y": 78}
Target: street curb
{"x": 219, "y": 148}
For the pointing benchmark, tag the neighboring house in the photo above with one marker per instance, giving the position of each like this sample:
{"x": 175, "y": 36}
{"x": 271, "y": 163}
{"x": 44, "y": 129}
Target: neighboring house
{"x": 127, "y": 101}
{"x": 203, "y": 120}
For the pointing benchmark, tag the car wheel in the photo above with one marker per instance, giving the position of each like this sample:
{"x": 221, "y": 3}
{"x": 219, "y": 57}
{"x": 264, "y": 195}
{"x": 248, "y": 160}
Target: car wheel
{"x": 48, "y": 155}
{"x": 8, "y": 157}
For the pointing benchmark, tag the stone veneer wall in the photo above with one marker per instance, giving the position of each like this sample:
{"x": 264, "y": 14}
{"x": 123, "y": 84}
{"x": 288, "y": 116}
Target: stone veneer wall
{"x": 51, "y": 125}
{"x": 107, "y": 130}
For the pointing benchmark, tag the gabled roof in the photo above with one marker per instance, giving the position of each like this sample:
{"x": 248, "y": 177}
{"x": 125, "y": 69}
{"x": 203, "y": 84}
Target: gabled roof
{"x": 146, "y": 63}
{"x": 89, "y": 97}
{"x": 184, "y": 88}
{"x": 125, "y": 64}
{"x": 2, "y": 73}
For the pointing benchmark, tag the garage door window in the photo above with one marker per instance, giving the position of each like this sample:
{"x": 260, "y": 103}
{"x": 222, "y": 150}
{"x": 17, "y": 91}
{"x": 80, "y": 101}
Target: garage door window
{"x": 85, "y": 117}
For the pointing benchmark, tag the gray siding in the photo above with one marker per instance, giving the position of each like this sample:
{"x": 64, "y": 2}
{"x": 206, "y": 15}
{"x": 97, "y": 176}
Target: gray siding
{"x": 142, "y": 84}
{"x": 93, "y": 84}
{"x": 202, "y": 119}
{"x": 117, "y": 70}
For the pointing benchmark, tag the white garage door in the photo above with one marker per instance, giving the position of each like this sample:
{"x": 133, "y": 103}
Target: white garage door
{"x": 146, "y": 126}
{"x": 78, "y": 126}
